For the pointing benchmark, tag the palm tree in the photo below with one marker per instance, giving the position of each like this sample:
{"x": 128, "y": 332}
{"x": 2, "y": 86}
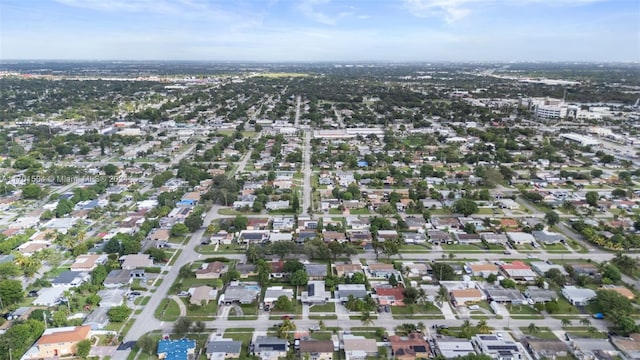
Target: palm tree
{"x": 483, "y": 328}
{"x": 442, "y": 296}
{"x": 533, "y": 328}
{"x": 366, "y": 318}
{"x": 565, "y": 322}
{"x": 286, "y": 328}
{"x": 585, "y": 322}
{"x": 421, "y": 326}
{"x": 592, "y": 330}
{"x": 422, "y": 297}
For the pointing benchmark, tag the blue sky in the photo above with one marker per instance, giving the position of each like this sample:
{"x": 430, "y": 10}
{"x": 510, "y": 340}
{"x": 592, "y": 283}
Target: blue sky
{"x": 321, "y": 30}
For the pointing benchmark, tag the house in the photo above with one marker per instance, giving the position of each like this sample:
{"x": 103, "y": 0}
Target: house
{"x": 160, "y": 235}
{"x": 269, "y": 347}
{"x": 466, "y": 296}
{"x": 117, "y": 278}
{"x": 68, "y": 279}
{"x": 357, "y": 290}
{"x": 274, "y": 292}
{"x": 414, "y": 238}
{"x": 220, "y": 348}
{"x": 359, "y": 347}
{"x": 316, "y": 271}
{"x": 518, "y": 271}
{"x": 445, "y": 223}
{"x": 578, "y": 296}
{"x": 546, "y": 349}
{"x": 201, "y": 295}
{"x": 277, "y": 269}
{"x": 453, "y": 347}
{"x": 498, "y": 346}
{"x": 629, "y": 346}
{"x": 221, "y": 238}
{"x": 547, "y": 237}
{"x": 439, "y": 237}
{"x": 520, "y": 238}
{"x": 317, "y": 349}
{"x": 380, "y": 270}
{"x": 481, "y": 269}
{"x": 464, "y": 238}
{"x": 501, "y": 295}
{"x": 246, "y": 270}
{"x": 413, "y": 346}
{"x": 347, "y": 269}
{"x": 240, "y": 293}
{"x": 587, "y": 349}
{"x": 212, "y": 270}
{"x": 315, "y": 293}
{"x": 387, "y": 235}
{"x": 111, "y": 297}
{"x": 416, "y": 269}
{"x": 98, "y": 319}
{"x": 393, "y": 296}
{"x": 538, "y": 295}
{"x": 277, "y": 205}
{"x": 181, "y": 349}
{"x": 58, "y": 342}
{"x": 541, "y": 267}
{"x": 620, "y": 290}
{"x": 88, "y": 262}
{"x": 135, "y": 261}
{"x": 331, "y": 236}
{"x": 49, "y": 296}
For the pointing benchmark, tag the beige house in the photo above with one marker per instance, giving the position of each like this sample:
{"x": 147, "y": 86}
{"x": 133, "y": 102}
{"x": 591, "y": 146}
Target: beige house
{"x": 212, "y": 270}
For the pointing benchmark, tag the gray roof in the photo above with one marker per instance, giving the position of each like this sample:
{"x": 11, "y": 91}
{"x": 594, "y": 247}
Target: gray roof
{"x": 67, "y": 277}
{"x": 226, "y": 346}
{"x": 241, "y": 294}
{"x": 118, "y": 277}
{"x": 270, "y": 343}
{"x": 547, "y": 237}
{"x": 97, "y": 319}
{"x": 316, "y": 270}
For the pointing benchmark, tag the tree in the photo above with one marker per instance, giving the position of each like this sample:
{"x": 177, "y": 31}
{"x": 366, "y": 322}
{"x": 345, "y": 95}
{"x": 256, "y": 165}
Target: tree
{"x": 110, "y": 169}
{"x": 508, "y": 284}
{"x": 592, "y": 198}
{"x": 292, "y": 266}
{"x": 465, "y": 206}
{"x": 199, "y": 326}
{"x": 11, "y": 292}
{"x": 295, "y": 203}
{"x": 83, "y": 348}
{"x": 283, "y": 248}
{"x": 119, "y": 314}
{"x": 240, "y": 223}
{"x": 366, "y": 318}
{"x": 98, "y": 275}
{"x": 443, "y": 271}
{"x": 193, "y": 222}
{"x": 392, "y": 280}
{"x": 611, "y": 303}
{"x": 285, "y": 328}
{"x": 492, "y": 278}
{"x": 483, "y": 328}
{"x": 182, "y": 326}
{"x": 390, "y": 248}
{"x": 299, "y": 278}
{"x": 112, "y": 246}
{"x": 552, "y": 218}
{"x": 585, "y": 322}
{"x": 442, "y": 296}
{"x": 147, "y": 344}
{"x": 32, "y": 191}
{"x": 565, "y": 322}
{"x": 611, "y": 272}
{"x": 283, "y": 303}
{"x": 179, "y": 229}
{"x": 533, "y": 328}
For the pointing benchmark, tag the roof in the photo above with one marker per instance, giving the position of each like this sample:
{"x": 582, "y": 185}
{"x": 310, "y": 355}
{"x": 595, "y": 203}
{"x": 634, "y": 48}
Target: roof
{"x": 483, "y": 267}
{"x": 396, "y": 292}
{"x": 212, "y": 267}
{"x": 226, "y": 346}
{"x": 466, "y": 293}
{"x": 316, "y": 346}
{"x": 64, "y": 335}
{"x": 348, "y": 267}
{"x": 266, "y": 343}
{"x": 620, "y": 290}
{"x": 547, "y": 346}
{"x": 68, "y": 277}
{"x": 408, "y": 347}
{"x": 381, "y": 267}
{"x": 176, "y": 349}
{"x": 359, "y": 343}
{"x": 516, "y": 265}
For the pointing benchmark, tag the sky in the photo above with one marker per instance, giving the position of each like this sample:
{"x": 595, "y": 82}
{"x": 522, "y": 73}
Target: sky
{"x": 321, "y": 30}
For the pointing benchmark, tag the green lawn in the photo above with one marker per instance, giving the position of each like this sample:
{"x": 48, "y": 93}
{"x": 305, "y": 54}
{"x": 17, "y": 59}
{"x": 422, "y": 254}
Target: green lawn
{"x": 415, "y": 309}
{"x": 516, "y": 310}
{"x": 321, "y": 335}
{"x": 543, "y": 333}
{"x": 584, "y": 333}
{"x": 244, "y": 337}
{"x": 363, "y": 211}
{"x": 328, "y": 307}
{"x": 250, "y": 312}
{"x": 413, "y": 248}
{"x": 460, "y": 247}
{"x": 207, "y": 312}
{"x": 168, "y": 310}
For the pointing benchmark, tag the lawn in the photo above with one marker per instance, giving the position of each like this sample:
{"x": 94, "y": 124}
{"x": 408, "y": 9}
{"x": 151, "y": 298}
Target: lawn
{"x": 584, "y": 333}
{"x": 460, "y": 247}
{"x": 415, "y": 309}
{"x": 543, "y": 333}
{"x": 321, "y": 335}
{"x": 168, "y": 310}
{"x": 363, "y": 211}
{"x": 523, "y": 311}
{"x": 250, "y": 312}
{"x": 207, "y": 312}
{"x": 413, "y": 248}
{"x": 328, "y": 307}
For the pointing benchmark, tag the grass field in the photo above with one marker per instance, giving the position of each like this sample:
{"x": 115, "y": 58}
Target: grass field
{"x": 328, "y": 307}
{"x": 168, "y": 310}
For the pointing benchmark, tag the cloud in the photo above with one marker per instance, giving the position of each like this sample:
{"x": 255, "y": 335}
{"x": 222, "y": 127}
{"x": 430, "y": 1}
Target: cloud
{"x": 454, "y": 10}
{"x": 308, "y": 9}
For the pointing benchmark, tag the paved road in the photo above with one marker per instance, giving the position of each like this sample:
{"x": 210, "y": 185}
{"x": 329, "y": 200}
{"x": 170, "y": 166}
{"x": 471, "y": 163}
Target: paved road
{"x": 306, "y": 158}
{"x": 296, "y": 122}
